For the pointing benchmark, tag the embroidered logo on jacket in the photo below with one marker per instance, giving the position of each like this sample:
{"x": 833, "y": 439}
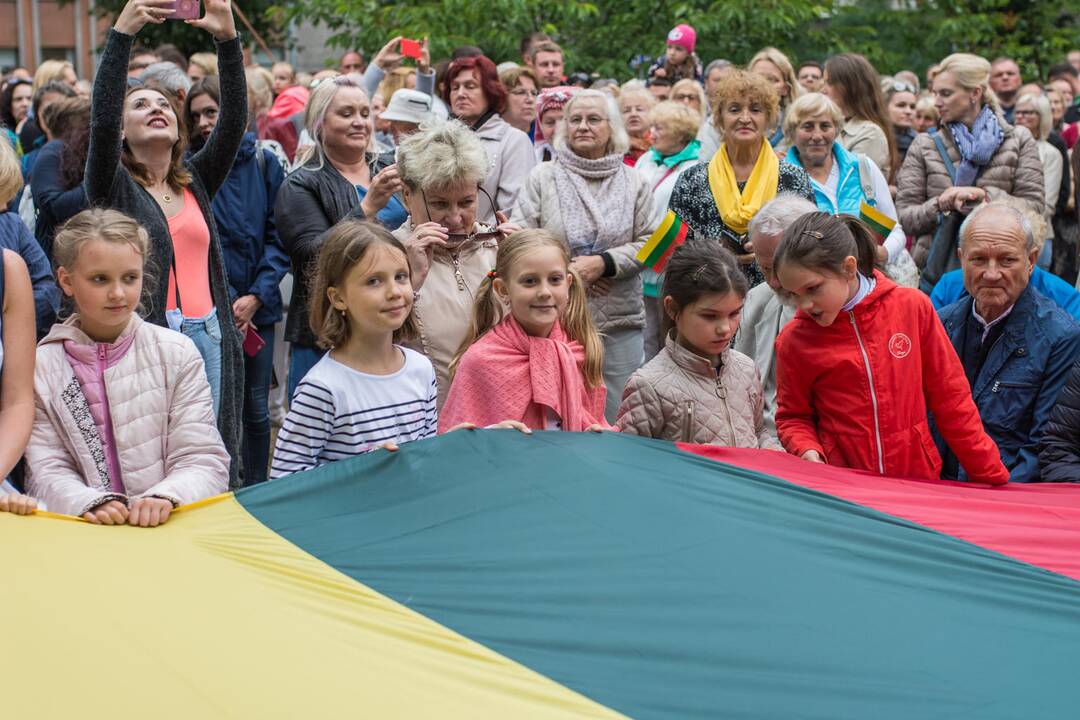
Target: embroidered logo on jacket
{"x": 900, "y": 346}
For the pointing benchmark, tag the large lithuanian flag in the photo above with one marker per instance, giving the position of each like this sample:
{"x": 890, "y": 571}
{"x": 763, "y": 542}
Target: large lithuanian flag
{"x": 495, "y": 575}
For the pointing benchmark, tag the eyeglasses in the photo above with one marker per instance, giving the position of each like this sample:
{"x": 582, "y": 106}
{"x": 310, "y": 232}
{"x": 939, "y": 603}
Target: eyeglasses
{"x": 524, "y": 92}
{"x": 590, "y": 120}
{"x": 1026, "y": 113}
{"x": 457, "y": 239}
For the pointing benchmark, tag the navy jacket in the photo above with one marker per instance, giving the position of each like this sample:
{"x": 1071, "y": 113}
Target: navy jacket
{"x": 255, "y": 260}
{"x": 1059, "y": 453}
{"x": 15, "y": 236}
{"x": 1021, "y": 377}
{"x": 54, "y": 203}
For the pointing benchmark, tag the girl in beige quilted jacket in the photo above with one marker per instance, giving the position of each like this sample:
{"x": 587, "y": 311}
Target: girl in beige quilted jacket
{"x": 697, "y": 389}
{"x": 124, "y": 427}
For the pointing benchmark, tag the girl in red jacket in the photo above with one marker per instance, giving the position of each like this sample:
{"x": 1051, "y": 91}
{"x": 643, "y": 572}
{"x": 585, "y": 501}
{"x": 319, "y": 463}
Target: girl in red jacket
{"x": 864, "y": 359}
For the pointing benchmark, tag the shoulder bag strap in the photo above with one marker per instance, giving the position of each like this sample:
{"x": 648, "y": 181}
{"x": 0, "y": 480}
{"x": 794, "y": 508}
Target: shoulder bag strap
{"x": 949, "y": 166}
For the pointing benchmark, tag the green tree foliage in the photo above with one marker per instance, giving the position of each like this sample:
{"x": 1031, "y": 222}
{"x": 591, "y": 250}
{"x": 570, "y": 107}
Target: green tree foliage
{"x": 603, "y": 35}
{"x": 260, "y": 13}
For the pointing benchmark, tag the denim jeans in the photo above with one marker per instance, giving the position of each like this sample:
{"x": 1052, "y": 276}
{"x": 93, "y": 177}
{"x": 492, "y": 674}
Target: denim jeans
{"x": 205, "y": 332}
{"x": 256, "y": 436}
{"x": 624, "y": 352}
{"x": 302, "y": 359}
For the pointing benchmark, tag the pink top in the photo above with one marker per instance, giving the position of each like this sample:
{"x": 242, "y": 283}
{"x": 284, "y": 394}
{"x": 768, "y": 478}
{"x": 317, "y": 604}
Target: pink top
{"x": 191, "y": 246}
{"x": 89, "y": 362}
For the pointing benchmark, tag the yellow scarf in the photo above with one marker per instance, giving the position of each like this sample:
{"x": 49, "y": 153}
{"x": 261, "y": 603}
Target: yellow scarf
{"x": 737, "y": 208}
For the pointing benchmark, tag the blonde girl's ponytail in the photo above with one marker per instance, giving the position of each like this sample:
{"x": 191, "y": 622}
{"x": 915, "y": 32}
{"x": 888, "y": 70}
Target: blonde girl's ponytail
{"x": 579, "y": 325}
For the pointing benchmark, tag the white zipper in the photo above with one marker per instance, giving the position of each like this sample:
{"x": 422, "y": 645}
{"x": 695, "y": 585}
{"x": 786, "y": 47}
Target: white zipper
{"x": 873, "y": 394}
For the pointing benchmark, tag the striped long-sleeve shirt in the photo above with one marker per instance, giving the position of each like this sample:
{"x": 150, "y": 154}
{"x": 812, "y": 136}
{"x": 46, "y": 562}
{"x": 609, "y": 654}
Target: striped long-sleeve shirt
{"x": 338, "y": 412}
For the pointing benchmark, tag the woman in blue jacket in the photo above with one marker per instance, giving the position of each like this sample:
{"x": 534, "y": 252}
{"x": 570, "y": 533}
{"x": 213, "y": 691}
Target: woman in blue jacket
{"x": 254, "y": 261}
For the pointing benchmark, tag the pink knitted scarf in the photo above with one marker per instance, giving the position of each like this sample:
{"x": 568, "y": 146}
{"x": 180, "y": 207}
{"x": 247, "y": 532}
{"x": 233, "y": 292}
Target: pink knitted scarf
{"x": 509, "y": 375}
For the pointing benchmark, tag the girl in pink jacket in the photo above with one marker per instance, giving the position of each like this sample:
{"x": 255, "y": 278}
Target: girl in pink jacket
{"x": 124, "y": 428}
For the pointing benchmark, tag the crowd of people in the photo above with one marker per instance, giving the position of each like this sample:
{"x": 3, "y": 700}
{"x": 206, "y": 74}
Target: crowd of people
{"x": 870, "y": 271}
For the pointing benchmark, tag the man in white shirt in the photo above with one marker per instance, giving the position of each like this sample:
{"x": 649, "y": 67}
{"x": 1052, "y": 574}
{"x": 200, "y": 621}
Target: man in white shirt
{"x": 764, "y": 313}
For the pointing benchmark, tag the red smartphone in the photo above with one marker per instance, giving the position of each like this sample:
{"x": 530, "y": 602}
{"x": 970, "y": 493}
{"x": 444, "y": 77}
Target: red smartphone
{"x": 253, "y": 341}
{"x": 186, "y": 10}
{"x": 411, "y": 48}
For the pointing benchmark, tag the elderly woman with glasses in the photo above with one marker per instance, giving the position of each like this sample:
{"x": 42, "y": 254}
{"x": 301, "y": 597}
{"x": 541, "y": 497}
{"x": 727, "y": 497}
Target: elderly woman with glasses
{"x": 442, "y": 169}
{"x": 604, "y": 211}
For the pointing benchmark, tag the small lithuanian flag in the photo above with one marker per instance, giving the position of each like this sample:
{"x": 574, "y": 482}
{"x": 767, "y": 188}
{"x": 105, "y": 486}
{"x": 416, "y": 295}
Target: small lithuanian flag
{"x": 657, "y": 250}
{"x": 879, "y": 223}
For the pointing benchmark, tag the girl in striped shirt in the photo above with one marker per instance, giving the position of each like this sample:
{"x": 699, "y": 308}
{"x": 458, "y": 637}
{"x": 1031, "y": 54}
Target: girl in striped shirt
{"x": 368, "y": 391}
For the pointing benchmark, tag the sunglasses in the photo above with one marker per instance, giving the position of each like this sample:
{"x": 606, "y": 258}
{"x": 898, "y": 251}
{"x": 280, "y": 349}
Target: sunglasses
{"x": 457, "y": 239}
{"x": 901, "y": 86}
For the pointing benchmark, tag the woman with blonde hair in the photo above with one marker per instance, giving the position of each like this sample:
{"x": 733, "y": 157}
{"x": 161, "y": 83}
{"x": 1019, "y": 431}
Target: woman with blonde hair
{"x": 55, "y": 71}
{"x": 775, "y": 67}
{"x": 690, "y": 93}
{"x": 974, "y": 156}
{"x": 442, "y": 167}
{"x": 202, "y": 64}
{"x": 340, "y": 176}
{"x": 522, "y": 89}
{"x": 635, "y": 101}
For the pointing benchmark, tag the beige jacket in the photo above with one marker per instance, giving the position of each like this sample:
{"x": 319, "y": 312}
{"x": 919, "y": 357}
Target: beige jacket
{"x": 1014, "y": 171}
{"x": 443, "y": 305}
{"x": 163, "y": 423}
{"x": 510, "y": 158}
{"x": 623, "y": 307}
{"x": 863, "y": 136}
{"x": 682, "y": 396}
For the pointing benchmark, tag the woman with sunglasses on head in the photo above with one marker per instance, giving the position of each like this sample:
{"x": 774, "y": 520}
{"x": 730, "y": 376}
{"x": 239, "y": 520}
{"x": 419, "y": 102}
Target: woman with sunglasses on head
{"x": 900, "y": 100}
{"x": 442, "y": 168}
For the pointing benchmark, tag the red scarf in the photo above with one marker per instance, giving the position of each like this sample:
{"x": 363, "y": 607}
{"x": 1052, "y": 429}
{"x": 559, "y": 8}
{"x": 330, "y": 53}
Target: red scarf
{"x": 509, "y": 375}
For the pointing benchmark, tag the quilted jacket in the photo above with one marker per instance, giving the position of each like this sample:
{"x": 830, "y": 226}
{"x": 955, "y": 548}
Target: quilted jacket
{"x": 623, "y": 307}
{"x": 167, "y": 440}
{"x": 682, "y": 396}
{"x": 1015, "y": 170}
{"x": 1059, "y": 450}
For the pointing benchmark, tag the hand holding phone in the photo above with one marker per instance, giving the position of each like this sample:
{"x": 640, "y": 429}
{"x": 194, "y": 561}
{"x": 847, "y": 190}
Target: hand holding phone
{"x": 186, "y": 10}
{"x": 410, "y": 48}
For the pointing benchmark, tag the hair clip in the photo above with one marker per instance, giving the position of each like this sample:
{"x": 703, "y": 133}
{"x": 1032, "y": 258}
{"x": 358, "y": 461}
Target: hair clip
{"x": 814, "y": 234}
{"x": 696, "y": 276}
{"x": 492, "y": 273}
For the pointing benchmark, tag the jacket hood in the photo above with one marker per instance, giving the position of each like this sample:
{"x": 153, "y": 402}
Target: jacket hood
{"x": 291, "y": 100}
{"x": 70, "y": 331}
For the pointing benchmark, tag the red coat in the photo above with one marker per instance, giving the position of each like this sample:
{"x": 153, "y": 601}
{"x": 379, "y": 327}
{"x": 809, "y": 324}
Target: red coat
{"x": 858, "y": 391}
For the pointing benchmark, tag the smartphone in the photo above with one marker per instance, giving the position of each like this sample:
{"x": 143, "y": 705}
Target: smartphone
{"x": 253, "y": 342}
{"x": 186, "y": 10}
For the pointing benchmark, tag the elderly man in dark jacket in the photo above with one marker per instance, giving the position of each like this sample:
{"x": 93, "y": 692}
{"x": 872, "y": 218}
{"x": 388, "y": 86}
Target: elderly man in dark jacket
{"x": 1017, "y": 347}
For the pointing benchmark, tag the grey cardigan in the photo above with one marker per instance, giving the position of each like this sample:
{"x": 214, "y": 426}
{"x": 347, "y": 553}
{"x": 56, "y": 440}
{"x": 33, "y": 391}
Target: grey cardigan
{"x": 108, "y": 184}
